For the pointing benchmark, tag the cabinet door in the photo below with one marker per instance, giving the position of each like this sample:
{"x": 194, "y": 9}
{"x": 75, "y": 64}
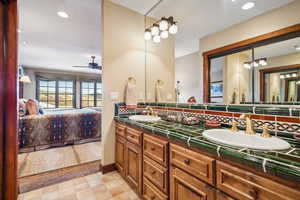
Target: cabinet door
{"x": 186, "y": 187}
{"x": 133, "y": 169}
{"x": 120, "y": 154}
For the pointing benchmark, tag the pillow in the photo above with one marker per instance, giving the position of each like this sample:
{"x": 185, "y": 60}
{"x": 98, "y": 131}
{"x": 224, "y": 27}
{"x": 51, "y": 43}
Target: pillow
{"x": 32, "y": 107}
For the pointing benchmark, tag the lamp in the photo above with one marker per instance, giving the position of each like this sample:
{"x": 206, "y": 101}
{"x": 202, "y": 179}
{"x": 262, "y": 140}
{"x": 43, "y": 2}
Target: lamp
{"x": 147, "y": 34}
{"x": 163, "y": 24}
{"x": 155, "y": 30}
{"x": 173, "y": 28}
{"x": 25, "y": 79}
{"x": 156, "y": 39}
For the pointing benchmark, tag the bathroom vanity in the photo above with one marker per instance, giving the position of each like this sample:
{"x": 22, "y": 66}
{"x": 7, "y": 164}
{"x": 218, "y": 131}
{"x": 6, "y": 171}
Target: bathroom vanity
{"x": 166, "y": 160}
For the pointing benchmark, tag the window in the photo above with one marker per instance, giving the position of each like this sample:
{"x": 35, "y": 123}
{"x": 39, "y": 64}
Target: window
{"x": 56, "y": 93}
{"x": 91, "y": 94}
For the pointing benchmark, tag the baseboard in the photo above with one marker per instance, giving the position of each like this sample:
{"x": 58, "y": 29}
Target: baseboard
{"x": 108, "y": 168}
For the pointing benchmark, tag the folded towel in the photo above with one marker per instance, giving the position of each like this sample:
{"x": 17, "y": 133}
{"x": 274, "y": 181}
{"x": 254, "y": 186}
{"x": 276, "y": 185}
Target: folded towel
{"x": 159, "y": 91}
{"x": 130, "y": 93}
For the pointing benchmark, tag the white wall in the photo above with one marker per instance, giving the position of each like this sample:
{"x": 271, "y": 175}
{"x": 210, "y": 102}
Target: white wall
{"x": 124, "y": 57}
{"x": 274, "y": 20}
{"x": 187, "y": 71}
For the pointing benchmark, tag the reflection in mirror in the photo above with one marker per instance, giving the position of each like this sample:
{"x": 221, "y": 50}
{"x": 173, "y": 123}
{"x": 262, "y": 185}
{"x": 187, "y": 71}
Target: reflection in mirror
{"x": 159, "y": 57}
{"x": 278, "y": 81}
{"x": 230, "y": 80}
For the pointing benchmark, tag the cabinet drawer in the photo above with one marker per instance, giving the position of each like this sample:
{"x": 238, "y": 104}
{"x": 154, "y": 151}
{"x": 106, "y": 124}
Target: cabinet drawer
{"x": 150, "y": 192}
{"x": 134, "y": 136}
{"x": 245, "y": 185}
{"x": 157, "y": 174}
{"x": 184, "y": 186}
{"x": 120, "y": 130}
{"x": 199, "y": 165}
{"x": 156, "y": 149}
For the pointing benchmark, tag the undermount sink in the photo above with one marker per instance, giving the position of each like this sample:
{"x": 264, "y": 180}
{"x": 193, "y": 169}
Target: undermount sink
{"x": 241, "y": 139}
{"x": 144, "y": 118}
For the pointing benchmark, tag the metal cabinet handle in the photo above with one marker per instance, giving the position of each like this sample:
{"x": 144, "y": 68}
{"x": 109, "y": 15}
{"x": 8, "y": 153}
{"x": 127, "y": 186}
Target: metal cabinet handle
{"x": 254, "y": 193}
{"x": 187, "y": 162}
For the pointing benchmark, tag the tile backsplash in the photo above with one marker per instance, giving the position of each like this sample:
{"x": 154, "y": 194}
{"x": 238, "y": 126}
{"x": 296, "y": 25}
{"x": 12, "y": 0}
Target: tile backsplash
{"x": 279, "y": 119}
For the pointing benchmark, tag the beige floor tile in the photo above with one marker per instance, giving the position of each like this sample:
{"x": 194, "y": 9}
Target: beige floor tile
{"x": 32, "y": 194}
{"x": 86, "y": 194}
{"x": 88, "y": 152}
{"x": 91, "y": 187}
{"x": 47, "y": 160}
{"x": 68, "y": 197}
{"x": 50, "y": 196}
{"x": 57, "y": 158}
{"x": 103, "y": 196}
{"x": 116, "y": 191}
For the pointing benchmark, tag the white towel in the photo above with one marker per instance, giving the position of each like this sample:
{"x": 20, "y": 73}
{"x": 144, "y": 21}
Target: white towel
{"x": 130, "y": 96}
{"x": 159, "y": 91}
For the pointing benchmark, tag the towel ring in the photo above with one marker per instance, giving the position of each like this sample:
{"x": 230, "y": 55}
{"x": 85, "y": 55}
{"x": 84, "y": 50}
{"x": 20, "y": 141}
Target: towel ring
{"x": 160, "y": 82}
{"x": 132, "y": 79}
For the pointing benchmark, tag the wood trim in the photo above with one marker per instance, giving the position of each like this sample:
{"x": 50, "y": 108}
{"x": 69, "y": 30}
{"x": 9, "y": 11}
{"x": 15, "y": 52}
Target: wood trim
{"x": 262, "y": 75}
{"x": 108, "y": 168}
{"x": 275, "y": 36}
{"x": 1, "y": 95}
{"x": 10, "y": 92}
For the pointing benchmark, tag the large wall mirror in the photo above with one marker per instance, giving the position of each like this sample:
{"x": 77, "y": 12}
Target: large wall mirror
{"x": 266, "y": 71}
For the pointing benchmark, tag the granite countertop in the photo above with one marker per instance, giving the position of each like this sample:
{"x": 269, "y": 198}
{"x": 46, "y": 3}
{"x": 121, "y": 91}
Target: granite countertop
{"x": 284, "y": 164}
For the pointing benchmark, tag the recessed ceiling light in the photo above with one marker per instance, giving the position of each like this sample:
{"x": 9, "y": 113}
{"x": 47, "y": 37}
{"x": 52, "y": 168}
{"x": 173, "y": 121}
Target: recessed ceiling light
{"x": 248, "y": 5}
{"x": 19, "y": 30}
{"x": 62, "y": 14}
{"x": 297, "y": 48}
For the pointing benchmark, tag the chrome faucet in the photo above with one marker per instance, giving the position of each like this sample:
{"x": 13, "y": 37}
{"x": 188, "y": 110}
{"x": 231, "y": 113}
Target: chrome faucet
{"x": 149, "y": 110}
{"x": 249, "y": 123}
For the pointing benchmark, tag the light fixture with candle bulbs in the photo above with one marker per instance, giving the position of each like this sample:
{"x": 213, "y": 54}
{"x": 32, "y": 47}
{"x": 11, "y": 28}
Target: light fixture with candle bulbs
{"x": 288, "y": 75}
{"x": 147, "y": 34}
{"x": 256, "y": 63}
{"x": 161, "y": 29}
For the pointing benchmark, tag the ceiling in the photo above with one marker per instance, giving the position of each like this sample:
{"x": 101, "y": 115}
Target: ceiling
{"x": 198, "y": 18}
{"x": 285, "y": 47}
{"x": 49, "y": 41}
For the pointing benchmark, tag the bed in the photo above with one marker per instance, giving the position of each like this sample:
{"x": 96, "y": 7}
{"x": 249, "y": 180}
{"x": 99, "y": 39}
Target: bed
{"x": 58, "y": 128}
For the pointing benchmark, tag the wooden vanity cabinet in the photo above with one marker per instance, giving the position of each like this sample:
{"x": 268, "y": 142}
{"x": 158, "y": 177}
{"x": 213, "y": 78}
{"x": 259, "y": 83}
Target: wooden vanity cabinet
{"x": 159, "y": 170}
{"x": 129, "y": 155}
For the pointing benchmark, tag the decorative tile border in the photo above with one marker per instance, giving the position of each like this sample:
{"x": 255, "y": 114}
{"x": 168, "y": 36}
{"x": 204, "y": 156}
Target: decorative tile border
{"x": 278, "y": 119}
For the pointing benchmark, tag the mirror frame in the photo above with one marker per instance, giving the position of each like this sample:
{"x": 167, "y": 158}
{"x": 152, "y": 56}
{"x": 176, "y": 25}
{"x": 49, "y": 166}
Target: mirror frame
{"x": 264, "y": 72}
{"x": 261, "y": 40}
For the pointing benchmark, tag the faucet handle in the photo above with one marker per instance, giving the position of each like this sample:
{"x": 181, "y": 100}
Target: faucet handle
{"x": 234, "y": 126}
{"x": 265, "y": 133}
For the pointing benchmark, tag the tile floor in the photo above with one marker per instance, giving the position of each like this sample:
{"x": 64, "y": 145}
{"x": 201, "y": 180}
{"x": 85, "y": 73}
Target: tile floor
{"x": 57, "y": 158}
{"x": 96, "y": 186}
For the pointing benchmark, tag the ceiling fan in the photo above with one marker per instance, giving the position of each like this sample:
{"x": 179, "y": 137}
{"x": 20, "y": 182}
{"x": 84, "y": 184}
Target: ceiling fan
{"x": 92, "y": 65}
